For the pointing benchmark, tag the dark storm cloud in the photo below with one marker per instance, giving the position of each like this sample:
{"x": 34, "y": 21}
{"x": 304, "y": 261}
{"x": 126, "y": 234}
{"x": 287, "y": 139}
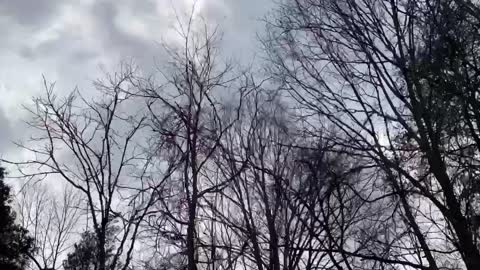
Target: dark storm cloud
{"x": 30, "y": 12}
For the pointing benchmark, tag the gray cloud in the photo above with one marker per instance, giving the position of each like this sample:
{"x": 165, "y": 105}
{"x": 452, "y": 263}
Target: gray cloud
{"x": 68, "y": 41}
{"x": 5, "y": 133}
{"x": 35, "y": 13}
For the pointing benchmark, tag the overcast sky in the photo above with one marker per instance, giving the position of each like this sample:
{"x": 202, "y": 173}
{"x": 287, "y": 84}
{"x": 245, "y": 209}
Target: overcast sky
{"x": 70, "y": 41}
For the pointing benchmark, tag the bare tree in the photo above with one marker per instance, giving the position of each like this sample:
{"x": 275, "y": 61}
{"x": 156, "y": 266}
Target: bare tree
{"x": 188, "y": 124}
{"x": 260, "y": 138}
{"x": 292, "y": 207}
{"x": 398, "y": 81}
{"x": 51, "y": 219}
{"x": 96, "y": 147}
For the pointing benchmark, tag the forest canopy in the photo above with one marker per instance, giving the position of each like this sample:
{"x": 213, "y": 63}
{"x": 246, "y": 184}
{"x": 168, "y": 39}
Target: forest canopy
{"x": 354, "y": 143}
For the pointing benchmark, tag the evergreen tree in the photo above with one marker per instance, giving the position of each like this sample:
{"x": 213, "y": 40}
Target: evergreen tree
{"x": 15, "y": 243}
{"x": 85, "y": 253}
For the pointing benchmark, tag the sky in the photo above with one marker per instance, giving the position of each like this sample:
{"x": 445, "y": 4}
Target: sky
{"x": 72, "y": 43}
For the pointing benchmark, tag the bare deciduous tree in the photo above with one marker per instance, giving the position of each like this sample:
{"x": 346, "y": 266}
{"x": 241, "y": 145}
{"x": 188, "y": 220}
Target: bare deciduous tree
{"x": 188, "y": 125}
{"x": 96, "y": 147}
{"x": 51, "y": 219}
{"x": 398, "y": 80}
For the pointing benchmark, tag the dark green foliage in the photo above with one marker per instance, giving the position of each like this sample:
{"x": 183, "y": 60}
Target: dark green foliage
{"x": 83, "y": 256}
{"x": 85, "y": 253}
{"x": 15, "y": 243}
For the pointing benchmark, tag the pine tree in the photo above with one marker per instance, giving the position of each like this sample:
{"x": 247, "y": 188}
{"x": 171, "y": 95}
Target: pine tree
{"x": 85, "y": 253}
{"x": 15, "y": 243}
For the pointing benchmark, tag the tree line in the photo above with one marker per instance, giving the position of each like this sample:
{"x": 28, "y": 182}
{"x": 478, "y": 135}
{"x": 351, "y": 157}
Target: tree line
{"x": 357, "y": 146}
